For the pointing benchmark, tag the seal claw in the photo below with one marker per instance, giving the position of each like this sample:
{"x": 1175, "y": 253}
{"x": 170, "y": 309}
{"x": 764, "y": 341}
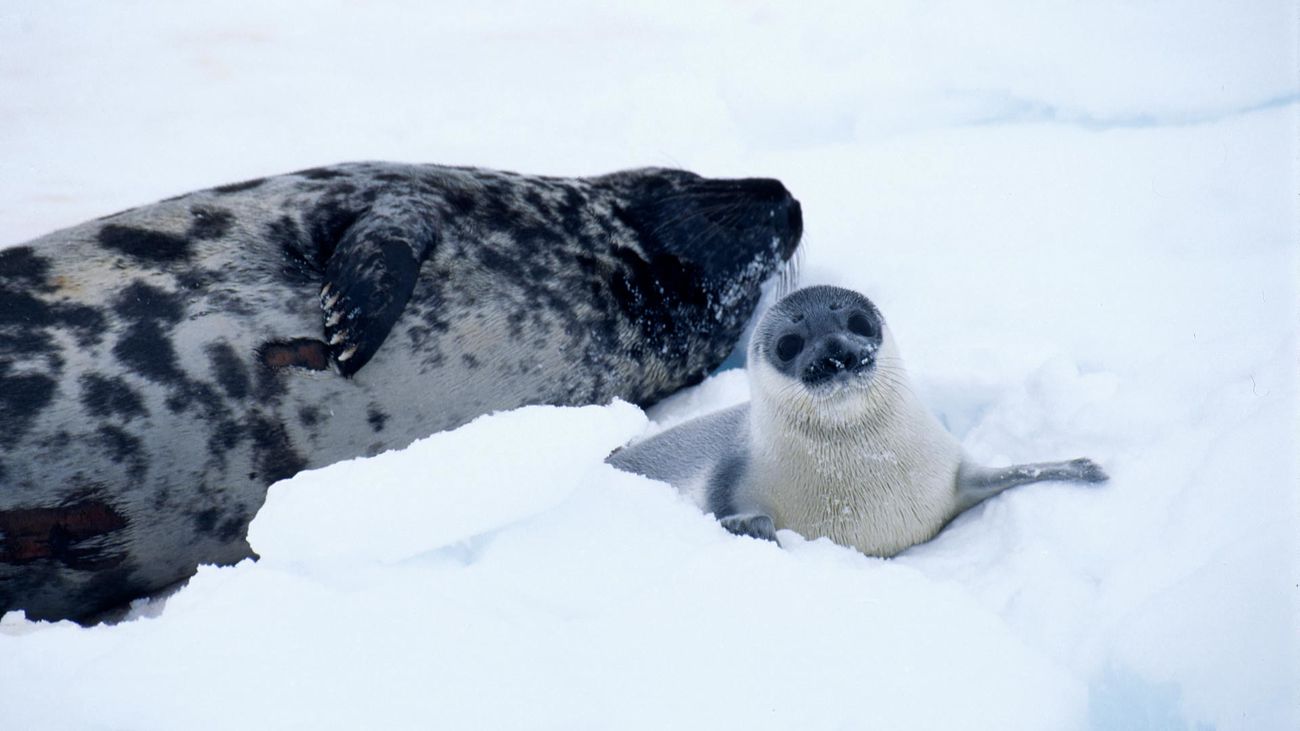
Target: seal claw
{"x": 371, "y": 275}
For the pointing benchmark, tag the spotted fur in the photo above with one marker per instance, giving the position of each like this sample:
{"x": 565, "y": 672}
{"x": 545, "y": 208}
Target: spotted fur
{"x": 159, "y": 368}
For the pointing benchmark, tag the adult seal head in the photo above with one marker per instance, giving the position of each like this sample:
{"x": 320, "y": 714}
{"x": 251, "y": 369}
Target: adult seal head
{"x": 834, "y": 442}
{"x": 159, "y": 368}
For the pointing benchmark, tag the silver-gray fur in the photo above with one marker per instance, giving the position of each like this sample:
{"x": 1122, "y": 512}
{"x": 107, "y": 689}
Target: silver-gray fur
{"x": 834, "y": 442}
{"x": 160, "y": 367}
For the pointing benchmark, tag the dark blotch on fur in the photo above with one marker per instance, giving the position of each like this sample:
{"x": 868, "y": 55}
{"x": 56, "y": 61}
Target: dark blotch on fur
{"x": 463, "y": 204}
{"x": 319, "y": 174}
{"x": 146, "y": 350}
{"x": 141, "y": 243}
{"x": 124, "y": 447}
{"x": 309, "y": 416}
{"x": 229, "y": 370}
{"x": 297, "y": 353}
{"x": 105, "y": 396}
{"x": 20, "y": 265}
{"x": 22, "y": 399}
{"x": 300, "y": 264}
{"x": 24, "y": 318}
{"x": 239, "y": 187}
{"x": 225, "y": 436}
{"x": 233, "y": 528}
{"x": 198, "y": 394}
{"x": 142, "y": 302}
{"x": 376, "y": 419}
{"x": 268, "y": 382}
{"x": 326, "y": 223}
{"x": 205, "y": 521}
{"x": 273, "y": 454}
{"x": 87, "y": 322}
{"x": 209, "y": 223}
{"x": 24, "y": 310}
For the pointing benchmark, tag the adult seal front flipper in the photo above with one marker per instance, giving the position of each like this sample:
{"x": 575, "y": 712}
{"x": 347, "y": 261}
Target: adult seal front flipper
{"x": 370, "y": 276}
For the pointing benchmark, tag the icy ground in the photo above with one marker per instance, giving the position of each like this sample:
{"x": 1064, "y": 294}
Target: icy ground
{"x": 1081, "y": 221}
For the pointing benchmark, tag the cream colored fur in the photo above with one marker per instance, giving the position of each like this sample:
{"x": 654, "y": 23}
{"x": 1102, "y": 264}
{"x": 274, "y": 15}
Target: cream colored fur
{"x": 866, "y": 467}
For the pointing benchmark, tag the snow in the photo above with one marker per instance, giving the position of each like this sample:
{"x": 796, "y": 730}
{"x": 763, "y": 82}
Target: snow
{"x": 1080, "y": 221}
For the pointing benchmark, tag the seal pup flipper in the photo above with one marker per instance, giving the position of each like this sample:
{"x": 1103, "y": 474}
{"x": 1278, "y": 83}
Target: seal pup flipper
{"x": 977, "y": 484}
{"x": 370, "y": 276}
{"x": 687, "y": 450}
{"x": 706, "y": 455}
{"x": 754, "y": 525}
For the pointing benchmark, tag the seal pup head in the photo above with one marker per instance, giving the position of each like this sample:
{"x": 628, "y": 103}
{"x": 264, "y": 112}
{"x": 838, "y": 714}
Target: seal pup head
{"x": 822, "y": 354}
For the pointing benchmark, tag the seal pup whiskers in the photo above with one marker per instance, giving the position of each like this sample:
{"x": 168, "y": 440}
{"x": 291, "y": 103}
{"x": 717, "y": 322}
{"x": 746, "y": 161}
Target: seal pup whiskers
{"x": 834, "y": 442}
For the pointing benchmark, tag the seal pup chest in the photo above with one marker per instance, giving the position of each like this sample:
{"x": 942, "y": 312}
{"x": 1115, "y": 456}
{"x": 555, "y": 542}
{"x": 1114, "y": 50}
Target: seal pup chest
{"x": 877, "y": 489}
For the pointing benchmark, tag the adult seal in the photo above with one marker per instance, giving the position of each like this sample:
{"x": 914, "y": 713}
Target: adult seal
{"x": 159, "y": 368}
{"x": 834, "y": 442}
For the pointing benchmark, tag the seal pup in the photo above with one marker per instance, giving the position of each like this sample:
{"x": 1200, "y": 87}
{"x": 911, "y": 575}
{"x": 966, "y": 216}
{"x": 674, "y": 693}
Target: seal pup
{"x": 160, "y": 367}
{"x": 834, "y": 442}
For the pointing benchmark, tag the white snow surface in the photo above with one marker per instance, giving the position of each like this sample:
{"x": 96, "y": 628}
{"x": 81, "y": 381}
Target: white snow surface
{"x": 1079, "y": 219}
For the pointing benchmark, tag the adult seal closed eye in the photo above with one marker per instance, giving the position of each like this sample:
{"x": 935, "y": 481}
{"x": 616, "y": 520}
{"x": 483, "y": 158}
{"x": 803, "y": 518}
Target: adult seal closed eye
{"x": 160, "y": 367}
{"x": 834, "y": 442}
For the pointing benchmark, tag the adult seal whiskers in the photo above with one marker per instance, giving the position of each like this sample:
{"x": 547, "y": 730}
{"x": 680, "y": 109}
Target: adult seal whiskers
{"x": 159, "y": 368}
{"x": 834, "y": 442}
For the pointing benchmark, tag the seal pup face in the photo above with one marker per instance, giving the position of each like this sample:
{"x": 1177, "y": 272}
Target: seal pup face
{"x": 819, "y": 349}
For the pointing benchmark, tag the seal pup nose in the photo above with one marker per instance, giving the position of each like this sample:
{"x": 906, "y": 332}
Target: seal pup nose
{"x": 866, "y": 358}
{"x": 832, "y": 357}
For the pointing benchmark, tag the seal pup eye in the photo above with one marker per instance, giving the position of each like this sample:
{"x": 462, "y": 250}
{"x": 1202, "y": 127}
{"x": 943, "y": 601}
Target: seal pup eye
{"x": 860, "y": 324}
{"x": 788, "y": 346}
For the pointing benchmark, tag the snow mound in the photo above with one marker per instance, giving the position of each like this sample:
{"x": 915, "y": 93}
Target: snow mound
{"x": 439, "y": 490}
{"x": 430, "y": 582}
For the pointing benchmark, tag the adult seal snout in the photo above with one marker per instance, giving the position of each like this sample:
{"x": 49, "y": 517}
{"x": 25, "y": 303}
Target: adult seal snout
{"x": 834, "y": 442}
{"x": 160, "y": 367}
